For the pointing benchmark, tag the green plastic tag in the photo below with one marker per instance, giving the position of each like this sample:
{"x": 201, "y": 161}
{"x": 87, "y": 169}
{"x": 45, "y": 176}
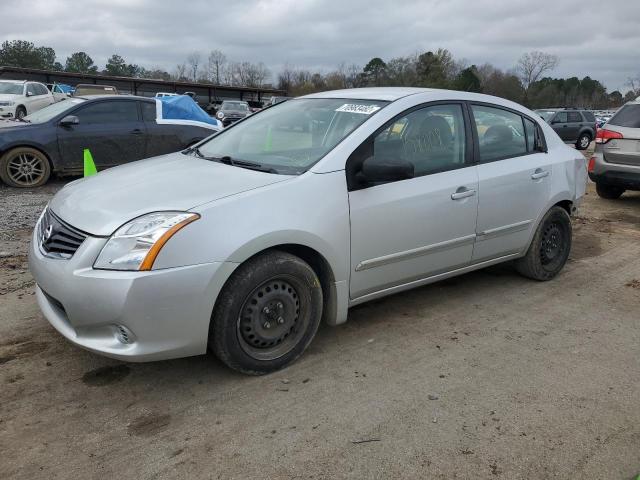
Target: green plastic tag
{"x": 89, "y": 166}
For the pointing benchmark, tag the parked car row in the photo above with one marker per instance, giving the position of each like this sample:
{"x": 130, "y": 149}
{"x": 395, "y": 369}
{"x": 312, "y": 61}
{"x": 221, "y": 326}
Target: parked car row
{"x": 116, "y": 129}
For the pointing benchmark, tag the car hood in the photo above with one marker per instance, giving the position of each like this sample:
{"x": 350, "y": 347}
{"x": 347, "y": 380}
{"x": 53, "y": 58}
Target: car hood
{"x": 8, "y": 97}
{"x": 99, "y": 205}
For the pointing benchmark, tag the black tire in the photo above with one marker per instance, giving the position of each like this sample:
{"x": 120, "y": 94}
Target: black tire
{"x": 549, "y": 248}
{"x": 24, "y": 167}
{"x": 609, "y": 192}
{"x": 267, "y": 313}
{"x": 583, "y": 141}
{"x": 21, "y": 112}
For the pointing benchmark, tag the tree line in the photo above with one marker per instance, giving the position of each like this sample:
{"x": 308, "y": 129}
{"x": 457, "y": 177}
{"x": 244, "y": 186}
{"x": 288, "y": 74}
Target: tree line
{"x": 528, "y": 82}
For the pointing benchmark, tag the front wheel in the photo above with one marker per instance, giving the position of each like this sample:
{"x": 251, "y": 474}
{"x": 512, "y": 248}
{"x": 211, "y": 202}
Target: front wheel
{"x": 267, "y": 313}
{"x": 24, "y": 167}
{"x": 583, "y": 141}
{"x": 549, "y": 248}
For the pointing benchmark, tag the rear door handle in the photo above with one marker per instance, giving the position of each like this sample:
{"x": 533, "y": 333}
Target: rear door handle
{"x": 539, "y": 173}
{"x": 462, "y": 192}
{"x": 136, "y": 131}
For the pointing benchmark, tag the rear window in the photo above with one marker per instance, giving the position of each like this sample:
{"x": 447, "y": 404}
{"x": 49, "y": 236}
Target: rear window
{"x": 627, "y": 116}
{"x": 589, "y": 116}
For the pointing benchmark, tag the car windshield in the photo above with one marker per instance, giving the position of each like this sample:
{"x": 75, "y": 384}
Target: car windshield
{"x": 11, "y": 88}
{"x": 234, "y": 106}
{"x": 47, "y": 113}
{"x": 546, "y": 114}
{"x": 290, "y": 137}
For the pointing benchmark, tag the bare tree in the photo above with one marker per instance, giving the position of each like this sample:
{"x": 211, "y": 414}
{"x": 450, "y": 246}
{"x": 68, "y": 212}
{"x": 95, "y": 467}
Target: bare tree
{"x": 532, "y": 65}
{"x": 180, "y": 71}
{"x": 215, "y": 66}
{"x": 193, "y": 60}
{"x": 634, "y": 85}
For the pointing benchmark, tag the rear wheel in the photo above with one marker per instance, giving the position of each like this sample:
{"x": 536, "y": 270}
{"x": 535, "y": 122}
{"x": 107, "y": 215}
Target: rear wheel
{"x": 549, "y": 248}
{"x": 24, "y": 167}
{"x": 583, "y": 141}
{"x": 267, "y": 314}
{"x": 608, "y": 191}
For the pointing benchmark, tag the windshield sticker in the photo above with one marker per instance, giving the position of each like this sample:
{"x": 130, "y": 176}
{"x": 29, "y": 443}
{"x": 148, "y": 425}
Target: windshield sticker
{"x": 354, "y": 108}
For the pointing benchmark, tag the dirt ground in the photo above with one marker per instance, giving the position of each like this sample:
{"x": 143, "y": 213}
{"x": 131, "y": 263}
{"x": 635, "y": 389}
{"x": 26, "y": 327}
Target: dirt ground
{"x": 488, "y": 375}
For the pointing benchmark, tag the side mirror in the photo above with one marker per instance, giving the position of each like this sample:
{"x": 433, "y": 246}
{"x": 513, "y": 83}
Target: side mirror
{"x": 69, "y": 120}
{"x": 28, "y": 94}
{"x": 386, "y": 170}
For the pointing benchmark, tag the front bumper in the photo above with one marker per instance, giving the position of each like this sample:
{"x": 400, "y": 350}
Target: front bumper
{"x": 165, "y": 313}
{"x": 615, "y": 174}
{"x": 7, "y": 111}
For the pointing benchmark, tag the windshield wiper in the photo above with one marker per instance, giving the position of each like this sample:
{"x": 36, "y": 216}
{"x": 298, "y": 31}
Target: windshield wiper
{"x": 227, "y": 160}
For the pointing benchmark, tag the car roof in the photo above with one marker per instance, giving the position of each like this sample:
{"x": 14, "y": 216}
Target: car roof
{"x": 388, "y": 94}
{"x": 14, "y": 81}
{"x": 111, "y": 95}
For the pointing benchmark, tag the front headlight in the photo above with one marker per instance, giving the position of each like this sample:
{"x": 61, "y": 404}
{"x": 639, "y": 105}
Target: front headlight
{"x": 7, "y": 104}
{"x": 136, "y": 244}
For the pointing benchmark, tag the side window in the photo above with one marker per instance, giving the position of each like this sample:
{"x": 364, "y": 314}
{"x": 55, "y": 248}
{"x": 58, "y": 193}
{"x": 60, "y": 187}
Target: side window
{"x": 432, "y": 139}
{"x": 148, "y": 111}
{"x": 561, "y": 117}
{"x": 117, "y": 111}
{"x": 41, "y": 89}
{"x": 31, "y": 89}
{"x": 500, "y": 133}
{"x": 574, "y": 117}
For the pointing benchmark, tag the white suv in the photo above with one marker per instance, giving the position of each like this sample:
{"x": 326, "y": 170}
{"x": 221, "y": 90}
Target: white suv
{"x": 20, "y": 98}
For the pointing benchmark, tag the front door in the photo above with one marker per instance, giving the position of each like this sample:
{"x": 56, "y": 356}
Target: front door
{"x": 514, "y": 181}
{"x": 111, "y": 129}
{"x": 407, "y": 230}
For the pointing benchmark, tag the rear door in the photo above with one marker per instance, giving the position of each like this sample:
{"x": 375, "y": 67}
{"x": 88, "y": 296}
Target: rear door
{"x": 514, "y": 177}
{"x": 110, "y": 128}
{"x": 162, "y": 138}
{"x": 574, "y": 122}
{"x": 625, "y": 150}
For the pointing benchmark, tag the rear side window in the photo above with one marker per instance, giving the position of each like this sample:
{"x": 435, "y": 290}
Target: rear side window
{"x": 500, "y": 133}
{"x": 574, "y": 117}
{"x": 627, "y": 116}
{"x": 108, "y": 112}
{"x": 148, "y": 111}
{"x": 589, "y": 116}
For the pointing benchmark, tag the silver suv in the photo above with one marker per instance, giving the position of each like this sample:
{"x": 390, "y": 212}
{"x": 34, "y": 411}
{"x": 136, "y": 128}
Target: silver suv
{"x": 245, "y": 242}
{"x": 615, "y": 165}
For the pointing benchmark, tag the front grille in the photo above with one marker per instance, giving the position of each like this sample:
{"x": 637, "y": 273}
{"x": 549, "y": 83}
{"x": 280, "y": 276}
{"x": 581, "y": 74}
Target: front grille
{"x": 56, "y": 238}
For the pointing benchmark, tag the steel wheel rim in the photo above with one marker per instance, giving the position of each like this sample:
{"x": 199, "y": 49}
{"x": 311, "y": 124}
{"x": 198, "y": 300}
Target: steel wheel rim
{"x": 273, "y": 318}
{"x": 26, "y": 169}
{"x": 552, "y": 245}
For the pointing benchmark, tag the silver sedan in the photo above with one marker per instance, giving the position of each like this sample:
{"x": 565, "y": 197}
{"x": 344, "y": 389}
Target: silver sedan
{"x": 244, "y": 243}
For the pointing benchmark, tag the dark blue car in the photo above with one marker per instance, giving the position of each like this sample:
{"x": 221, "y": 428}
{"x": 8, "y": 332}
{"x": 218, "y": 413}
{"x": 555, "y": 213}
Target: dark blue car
{"x": 117, "y": 130}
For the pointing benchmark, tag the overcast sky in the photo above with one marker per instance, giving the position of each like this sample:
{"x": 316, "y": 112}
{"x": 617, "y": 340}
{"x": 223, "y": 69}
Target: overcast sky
{"x": 596, "y": 38}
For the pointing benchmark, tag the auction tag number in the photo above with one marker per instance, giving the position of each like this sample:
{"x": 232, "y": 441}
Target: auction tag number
{"x": 353, "y": 108}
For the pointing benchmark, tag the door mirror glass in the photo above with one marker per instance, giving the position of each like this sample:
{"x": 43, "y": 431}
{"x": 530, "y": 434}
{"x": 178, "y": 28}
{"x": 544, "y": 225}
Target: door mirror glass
{"x": 379, "y": 170}
{"x": 69, "y": 120}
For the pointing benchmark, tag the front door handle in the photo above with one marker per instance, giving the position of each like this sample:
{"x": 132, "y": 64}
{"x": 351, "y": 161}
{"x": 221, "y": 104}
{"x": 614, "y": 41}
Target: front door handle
{"x": 136, "y": 131}
{"x": 462, "y": 192}
{"x": 539, "y": 173}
